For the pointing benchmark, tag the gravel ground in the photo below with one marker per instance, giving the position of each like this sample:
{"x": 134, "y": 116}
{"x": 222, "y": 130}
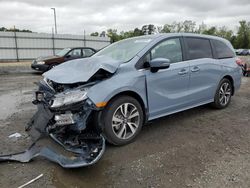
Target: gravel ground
{"x": 201, "y": 147}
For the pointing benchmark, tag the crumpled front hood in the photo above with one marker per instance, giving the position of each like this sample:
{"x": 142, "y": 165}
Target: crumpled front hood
{"x": 81, "y": 70}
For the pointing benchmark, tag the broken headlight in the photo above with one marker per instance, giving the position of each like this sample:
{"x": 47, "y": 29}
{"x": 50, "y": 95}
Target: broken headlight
{"x": 69, "y": 97}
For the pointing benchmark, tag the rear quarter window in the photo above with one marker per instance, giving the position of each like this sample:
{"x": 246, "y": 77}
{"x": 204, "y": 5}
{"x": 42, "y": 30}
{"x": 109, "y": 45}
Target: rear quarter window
{"x": 87, "y": 52}
{"x": 222, "y": 50}
{"x": 198, "y": 48}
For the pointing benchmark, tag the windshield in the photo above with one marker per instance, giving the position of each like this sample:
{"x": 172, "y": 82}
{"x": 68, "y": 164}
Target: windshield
{"x": 63, "y": 52}
{"x": 124, "y": 50}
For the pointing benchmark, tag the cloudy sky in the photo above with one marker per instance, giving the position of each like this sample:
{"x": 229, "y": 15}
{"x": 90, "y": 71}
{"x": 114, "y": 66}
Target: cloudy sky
{"x": 73, "y": 16}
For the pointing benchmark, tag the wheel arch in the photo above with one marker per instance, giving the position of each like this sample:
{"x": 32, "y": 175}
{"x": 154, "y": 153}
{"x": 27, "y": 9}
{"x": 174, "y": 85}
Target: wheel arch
{"x": 231, "y": 80}
{"x": 137, "y": 97}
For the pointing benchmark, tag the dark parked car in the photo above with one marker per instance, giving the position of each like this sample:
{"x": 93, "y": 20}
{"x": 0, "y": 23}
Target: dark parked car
{"x": 238, "y": 51}
{"x": 46, "y": 63}
{"x": 243, "y": 52}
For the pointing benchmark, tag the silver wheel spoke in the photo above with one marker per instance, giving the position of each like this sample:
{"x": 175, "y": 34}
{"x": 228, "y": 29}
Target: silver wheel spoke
{"x": 226, "y": 86}
{"x": 135, "y": 114}
{"x": 121, "y": 111}
{"x": 122, "y": 132}
{"x": 221, "y": 99}
{"x": 117, "y": 125}
{"x": 124, "y": 109}
{"x": 132, "y": 127}
{"x": 221, "y": 90}
{"x": 117, "y": 119}
{"x": 226, "y": 99}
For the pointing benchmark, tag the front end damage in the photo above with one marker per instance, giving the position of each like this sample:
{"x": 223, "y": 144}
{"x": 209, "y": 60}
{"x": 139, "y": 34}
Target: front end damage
{"x": 64, "y": 114}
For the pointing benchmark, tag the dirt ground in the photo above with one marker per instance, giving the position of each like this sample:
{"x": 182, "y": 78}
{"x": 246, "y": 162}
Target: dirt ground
{"x": 201, "y": 147}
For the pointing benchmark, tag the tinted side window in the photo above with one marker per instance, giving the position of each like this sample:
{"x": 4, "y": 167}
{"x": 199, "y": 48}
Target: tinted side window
{"x": 198, "y": 48}
{"x": 222, "y": 50}
{"x": 75, "y": 53}
{"x": 168, "y": 49}
{"x": 87, "y": 52}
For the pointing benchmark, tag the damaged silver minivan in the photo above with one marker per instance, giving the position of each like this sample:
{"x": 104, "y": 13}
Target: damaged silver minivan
{"x": 112, "y": 94}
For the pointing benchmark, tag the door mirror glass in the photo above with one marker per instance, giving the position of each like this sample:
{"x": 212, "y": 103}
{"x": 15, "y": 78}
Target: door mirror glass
{"x": 159, "y": 63}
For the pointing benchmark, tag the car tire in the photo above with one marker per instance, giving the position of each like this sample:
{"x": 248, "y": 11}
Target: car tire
{"x": 122, "y": 120}
{"x": 223, "y": 94}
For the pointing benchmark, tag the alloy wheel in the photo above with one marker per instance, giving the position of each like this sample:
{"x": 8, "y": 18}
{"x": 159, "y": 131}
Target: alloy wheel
{"x": 125, "y": 120}
{"x": 224, "y": 93}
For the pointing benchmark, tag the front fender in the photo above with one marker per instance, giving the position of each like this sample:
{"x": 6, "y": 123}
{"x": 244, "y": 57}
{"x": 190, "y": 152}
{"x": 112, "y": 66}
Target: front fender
{"x": 106, "y": 90}
{"x": 127, "y": 89}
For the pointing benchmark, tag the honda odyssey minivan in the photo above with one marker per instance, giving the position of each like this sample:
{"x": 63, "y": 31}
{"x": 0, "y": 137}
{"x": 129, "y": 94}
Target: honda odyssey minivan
{"x": 112, "y": 94}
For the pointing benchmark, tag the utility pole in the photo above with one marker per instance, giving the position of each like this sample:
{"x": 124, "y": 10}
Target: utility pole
{"x": 15, "y": 37}
{"x": 53, "y": 41}
{"x": 84, "y": 36}
{"x": 54, "y": 9}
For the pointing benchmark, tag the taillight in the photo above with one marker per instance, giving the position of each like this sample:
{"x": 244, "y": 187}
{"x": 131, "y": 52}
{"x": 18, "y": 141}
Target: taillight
{"x": 239, "y": 61}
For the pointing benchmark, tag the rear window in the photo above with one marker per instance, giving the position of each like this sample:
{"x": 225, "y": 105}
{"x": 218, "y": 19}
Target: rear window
{"x": 198, "y": 48}
{"x": 222, "y": 50}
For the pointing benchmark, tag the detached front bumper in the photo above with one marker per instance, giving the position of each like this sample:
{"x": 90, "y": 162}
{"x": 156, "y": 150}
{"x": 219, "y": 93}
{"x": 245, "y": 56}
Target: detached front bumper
{"x": 85, "y": 145}
{"x": 74, "y": 161}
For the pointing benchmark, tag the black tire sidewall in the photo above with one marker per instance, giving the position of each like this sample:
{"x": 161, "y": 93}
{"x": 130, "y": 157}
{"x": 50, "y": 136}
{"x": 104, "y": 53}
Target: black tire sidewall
{"x": 217, "y": 103}
{"x": 107, "y": 119}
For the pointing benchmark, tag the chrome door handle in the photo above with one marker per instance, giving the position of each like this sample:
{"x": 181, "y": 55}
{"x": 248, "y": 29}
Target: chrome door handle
{"x": 183, "y": 71}
{"x": 195, "y": 69}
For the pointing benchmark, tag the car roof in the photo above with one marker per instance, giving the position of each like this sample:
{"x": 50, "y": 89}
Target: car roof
{"x": 81, "y": 47}
{"x": 165, "y": 35}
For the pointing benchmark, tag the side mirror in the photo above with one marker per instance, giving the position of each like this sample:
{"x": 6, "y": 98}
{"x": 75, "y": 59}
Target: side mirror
{"x": 68, "y": 56}
{"x": 159, "y": 63}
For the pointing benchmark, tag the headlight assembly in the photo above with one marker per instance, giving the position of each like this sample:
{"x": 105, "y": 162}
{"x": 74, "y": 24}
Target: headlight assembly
{"x": 70, "y": 97}
{"x": 40, "y": 62}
